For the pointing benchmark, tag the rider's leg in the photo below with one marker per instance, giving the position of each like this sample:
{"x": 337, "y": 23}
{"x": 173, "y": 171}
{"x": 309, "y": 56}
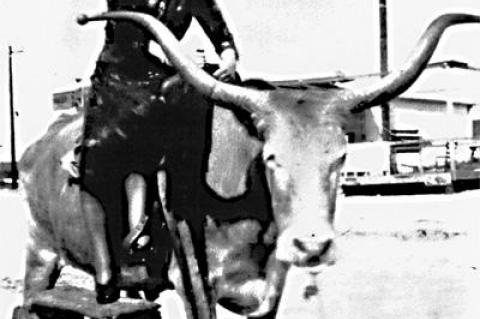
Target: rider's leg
{"x": 136, "y": 191}
{"x": 96, "y": 224}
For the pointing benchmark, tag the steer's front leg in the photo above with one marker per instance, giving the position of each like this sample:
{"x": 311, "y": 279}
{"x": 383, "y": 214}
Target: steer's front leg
{"x": 252, "y": 294}
{"x": 200, "y": 303}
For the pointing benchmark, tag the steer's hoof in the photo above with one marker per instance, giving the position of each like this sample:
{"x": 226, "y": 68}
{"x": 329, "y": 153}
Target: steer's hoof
{"x": 107, "y": 293}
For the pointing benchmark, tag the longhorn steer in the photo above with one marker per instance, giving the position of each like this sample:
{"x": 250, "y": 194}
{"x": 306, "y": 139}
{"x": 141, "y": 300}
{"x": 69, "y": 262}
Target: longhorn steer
{"x": 276, "y": 154}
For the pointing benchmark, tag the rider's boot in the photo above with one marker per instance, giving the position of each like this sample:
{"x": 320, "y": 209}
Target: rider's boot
{"x": 105, "y": 286}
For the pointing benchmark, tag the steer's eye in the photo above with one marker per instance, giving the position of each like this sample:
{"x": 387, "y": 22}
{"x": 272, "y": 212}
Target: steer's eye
{"x": 271, "y": 162}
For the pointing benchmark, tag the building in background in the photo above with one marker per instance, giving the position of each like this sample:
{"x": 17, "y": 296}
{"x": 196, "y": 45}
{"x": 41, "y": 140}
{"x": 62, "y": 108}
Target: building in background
{"x": 435, "y": 127}
{"x": 443, "y": 104}
{"x": 70, "y": 99}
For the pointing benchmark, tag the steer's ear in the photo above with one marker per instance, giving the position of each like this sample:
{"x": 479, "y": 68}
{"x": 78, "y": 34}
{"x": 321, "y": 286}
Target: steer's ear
{"x": 232, "y": 152}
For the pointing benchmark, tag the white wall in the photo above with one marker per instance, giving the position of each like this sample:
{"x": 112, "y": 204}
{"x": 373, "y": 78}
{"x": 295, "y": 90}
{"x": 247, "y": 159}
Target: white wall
{"x": 431, "y": 119}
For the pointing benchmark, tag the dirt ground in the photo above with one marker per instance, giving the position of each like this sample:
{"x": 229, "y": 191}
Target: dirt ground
{"x": 399, "y": 257}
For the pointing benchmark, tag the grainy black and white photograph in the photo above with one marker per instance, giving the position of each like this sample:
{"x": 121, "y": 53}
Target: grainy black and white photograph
{"x": 203, "y": 159}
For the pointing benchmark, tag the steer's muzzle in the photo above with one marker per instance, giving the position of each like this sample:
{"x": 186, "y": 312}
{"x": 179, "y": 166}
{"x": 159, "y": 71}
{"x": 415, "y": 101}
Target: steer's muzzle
{"x": 312, "y": 252}
{"x": 308, "y": 250}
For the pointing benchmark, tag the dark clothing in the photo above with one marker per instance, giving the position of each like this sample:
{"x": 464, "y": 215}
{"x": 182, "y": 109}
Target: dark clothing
{"x": 128, "y": 78}
{"x": 125, "y": 57}
{"x": 129, "y": 128}
{"x": 144, "y": 137}
{"x": 127, "y": 46}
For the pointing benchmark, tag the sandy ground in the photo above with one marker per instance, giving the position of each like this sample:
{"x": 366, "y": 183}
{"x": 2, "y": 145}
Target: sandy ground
{"x": 399, "y": 257}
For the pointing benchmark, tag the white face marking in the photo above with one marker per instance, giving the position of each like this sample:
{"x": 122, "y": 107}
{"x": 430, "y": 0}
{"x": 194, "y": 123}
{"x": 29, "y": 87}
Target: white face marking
{"x": 282, "y": 178}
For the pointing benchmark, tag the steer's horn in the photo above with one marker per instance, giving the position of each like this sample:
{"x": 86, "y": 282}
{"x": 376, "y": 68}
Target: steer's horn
{"x": 207, "y": 85}
{"x": 399, "y": 81}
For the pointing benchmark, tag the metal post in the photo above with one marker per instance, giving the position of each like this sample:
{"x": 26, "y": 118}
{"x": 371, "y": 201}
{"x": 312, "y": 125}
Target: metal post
{"x": 384, "y": 66}
{"x": 13, "y": 167}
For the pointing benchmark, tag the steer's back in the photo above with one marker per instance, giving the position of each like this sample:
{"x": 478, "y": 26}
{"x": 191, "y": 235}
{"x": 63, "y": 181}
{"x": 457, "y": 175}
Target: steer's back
{"x": 51, "y": 199}
{"x": 41, "y": 160}
{"x": 60, "y": 136}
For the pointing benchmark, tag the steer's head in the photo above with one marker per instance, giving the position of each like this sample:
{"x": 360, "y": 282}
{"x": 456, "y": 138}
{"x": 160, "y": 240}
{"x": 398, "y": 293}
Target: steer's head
{"x": 303, "y": 151}
{"x": 301, "y": 129}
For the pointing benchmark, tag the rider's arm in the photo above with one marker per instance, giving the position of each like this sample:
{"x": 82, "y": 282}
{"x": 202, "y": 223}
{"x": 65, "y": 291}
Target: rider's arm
{"x": 211, "y": 20}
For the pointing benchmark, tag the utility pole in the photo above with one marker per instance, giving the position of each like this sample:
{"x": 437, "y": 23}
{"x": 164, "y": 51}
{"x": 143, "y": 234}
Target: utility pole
{"x": 13, "y": 163}
{"x": 384, "y": 66}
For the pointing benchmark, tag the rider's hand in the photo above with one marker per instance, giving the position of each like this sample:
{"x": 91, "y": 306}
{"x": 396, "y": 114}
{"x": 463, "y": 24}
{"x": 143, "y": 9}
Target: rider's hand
{"x": 199, "y": 58}
{"x": 227, "y": 65}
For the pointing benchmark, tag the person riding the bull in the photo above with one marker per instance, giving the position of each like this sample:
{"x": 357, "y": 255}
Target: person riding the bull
{"x": 122, "y": 142}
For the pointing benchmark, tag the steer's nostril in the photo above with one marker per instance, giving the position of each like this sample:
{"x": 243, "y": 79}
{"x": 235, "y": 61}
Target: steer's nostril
{"x": 298, "y": 243}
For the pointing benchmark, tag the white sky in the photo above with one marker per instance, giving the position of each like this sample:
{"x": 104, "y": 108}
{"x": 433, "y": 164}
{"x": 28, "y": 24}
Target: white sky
{"x": 276, "y": 38}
